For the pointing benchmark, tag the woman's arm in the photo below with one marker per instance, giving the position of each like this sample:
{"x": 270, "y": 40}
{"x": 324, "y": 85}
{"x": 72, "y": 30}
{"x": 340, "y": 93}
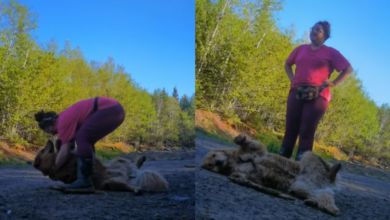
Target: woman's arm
{"x": 340, "y": 78}
{"x": 289, "y": 71}
{"x": 63, "y": 155}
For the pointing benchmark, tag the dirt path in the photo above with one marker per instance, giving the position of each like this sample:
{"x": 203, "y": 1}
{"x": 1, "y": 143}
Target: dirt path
{"x": 24, "y": 193}
{"x": 361, "y": 197}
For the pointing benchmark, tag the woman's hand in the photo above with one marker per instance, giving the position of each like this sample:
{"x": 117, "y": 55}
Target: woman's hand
{"x": 328, "y": 83}
{"x": 340, "y": 78}
{"x": 289, "y": 72}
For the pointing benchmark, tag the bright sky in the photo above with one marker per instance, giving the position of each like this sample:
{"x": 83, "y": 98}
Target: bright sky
{"x": 359, "y": 30}
{"x": 154, "y": 40}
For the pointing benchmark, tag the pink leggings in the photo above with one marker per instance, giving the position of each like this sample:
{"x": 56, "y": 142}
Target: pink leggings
{"x": 302, "y": 118}
{"x": 97, "y": 126}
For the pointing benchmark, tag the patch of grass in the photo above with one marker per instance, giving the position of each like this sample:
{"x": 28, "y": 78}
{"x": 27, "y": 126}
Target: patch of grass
{"x": 329, "y": 153}
{"x": 13, "y": 164}
{"x": 200, "y": 132}
{"x": 107, "y": 154}
{"x": 7, "y": 162}
{"x": 324, "y": 155}
{"x": 109, "y": 151}
{"x": 272, "y": 141}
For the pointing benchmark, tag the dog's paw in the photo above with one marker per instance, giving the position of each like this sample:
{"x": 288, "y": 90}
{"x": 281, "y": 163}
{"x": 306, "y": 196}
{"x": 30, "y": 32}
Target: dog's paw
{"x": 336, "y": 212}
{"x": 332, "y": 210}
{"x": 138, "y": 191}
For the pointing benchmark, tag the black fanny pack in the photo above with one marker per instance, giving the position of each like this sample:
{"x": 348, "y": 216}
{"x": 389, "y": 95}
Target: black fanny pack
{"x": 308, "y": 92}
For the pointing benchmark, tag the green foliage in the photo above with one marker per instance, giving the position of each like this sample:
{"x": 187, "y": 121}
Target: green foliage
{"x": 175, "y": 94}
{"x": 272, "y": 142}
{"x": 239, "y": 60}
{"x": 240, "y": 54}
{"x": 35, "y": 77}
{"x": 107, "y": 154}
{"x": 9, "y": 162}
{"x": 325, "y": 155}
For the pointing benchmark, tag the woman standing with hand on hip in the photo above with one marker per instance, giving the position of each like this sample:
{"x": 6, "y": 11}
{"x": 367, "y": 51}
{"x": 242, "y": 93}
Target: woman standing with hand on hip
{"x": 309, "y": 94}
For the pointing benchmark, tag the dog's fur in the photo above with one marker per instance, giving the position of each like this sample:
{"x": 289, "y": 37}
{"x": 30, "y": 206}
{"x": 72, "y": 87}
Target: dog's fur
{"x": 118, "y": 175}
{"x": 312, "y": 179}
{"x": 316, "y": 183}
{"x": 251, "y": 160}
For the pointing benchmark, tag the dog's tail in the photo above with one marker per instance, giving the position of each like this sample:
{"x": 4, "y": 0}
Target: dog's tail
{"x": 240, "y": 139}
{"x": 141, "y": 161}
{"x": 150, "y": 181}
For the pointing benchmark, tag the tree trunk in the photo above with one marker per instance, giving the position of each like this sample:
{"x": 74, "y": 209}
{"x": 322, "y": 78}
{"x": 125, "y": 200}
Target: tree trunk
{"x": 212, "y": 37}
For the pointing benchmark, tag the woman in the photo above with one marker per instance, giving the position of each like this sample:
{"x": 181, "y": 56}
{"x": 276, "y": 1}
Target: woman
{"x": 314, "y": 64}
{"x": 85, "y": 123}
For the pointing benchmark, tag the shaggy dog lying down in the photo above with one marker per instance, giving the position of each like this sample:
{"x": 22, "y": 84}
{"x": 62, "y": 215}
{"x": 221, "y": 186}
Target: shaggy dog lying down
{"x": 118, "y": 175}
{"x": 312, "y": 179}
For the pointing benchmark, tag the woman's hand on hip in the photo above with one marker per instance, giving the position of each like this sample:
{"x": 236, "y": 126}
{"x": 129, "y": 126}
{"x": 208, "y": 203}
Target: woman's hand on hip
{"x": 328, "y": 83}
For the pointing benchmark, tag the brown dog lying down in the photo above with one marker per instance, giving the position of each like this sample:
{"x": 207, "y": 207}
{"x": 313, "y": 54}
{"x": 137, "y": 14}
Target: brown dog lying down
{"x": 118, "y": 175}
{"x": 312, "y": 179}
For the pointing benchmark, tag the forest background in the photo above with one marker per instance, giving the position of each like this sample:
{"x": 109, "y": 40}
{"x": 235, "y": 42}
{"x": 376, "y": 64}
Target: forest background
{"x": 240, "y": 53}
{"x": 41, "y": 76}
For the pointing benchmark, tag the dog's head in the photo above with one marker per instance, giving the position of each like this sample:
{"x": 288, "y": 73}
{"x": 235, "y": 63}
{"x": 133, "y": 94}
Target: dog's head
{"x": 45, "y": 158}
{"x": 45, "y": 161}
{"x": 216, "y": 161}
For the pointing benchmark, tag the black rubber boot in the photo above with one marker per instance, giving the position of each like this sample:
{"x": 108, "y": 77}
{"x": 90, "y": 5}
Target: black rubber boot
{"x": 285, "y": 153}
{"x": 299, "y": 155}
{"x": 84, "y": 175}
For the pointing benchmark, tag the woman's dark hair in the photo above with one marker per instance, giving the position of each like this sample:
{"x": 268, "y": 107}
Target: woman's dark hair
{"x": 45, "y": 119}
{"x": 326, "y": 26}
